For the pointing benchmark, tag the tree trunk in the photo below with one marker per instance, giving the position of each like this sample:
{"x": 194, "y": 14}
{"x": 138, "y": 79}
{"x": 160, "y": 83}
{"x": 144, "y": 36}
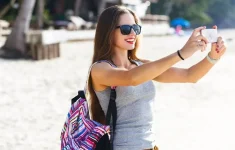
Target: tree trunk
{"x": 40, "y": 9}
{"x": 101, "y": 6}
{"x": 119, "y": 2}
{"x": 77, "y": 7}
{"x": 15, "y": 46}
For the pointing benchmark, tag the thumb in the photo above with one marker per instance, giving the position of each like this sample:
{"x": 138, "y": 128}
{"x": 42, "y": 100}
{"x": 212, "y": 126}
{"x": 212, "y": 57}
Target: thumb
{"x": 214, "y": 27}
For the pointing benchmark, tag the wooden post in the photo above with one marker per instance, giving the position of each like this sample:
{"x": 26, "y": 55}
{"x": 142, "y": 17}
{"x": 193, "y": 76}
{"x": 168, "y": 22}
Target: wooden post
{"x": 39, "y": 52}
{"x": 54, "y": 50}
{"x": 1, "y": 31}
{"x": 42, "y": 45}
{"x": 58, "y": 49}
{"x": 45, "y": 52}
{"x": 50, "y": 51}
{"x": 33, "y": 51}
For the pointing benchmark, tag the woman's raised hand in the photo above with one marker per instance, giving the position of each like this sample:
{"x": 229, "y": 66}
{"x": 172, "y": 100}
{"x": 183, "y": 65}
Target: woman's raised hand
{"x": 195, "y": 42}
{"x": 218, "y": 48}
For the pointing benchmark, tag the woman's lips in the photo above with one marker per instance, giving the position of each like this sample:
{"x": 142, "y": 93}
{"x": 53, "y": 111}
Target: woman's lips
{"x": 130, "y": 40}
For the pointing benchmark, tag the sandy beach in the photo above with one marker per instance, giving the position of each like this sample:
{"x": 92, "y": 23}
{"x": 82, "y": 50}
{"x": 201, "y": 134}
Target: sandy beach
{"x": 35, "y": 98}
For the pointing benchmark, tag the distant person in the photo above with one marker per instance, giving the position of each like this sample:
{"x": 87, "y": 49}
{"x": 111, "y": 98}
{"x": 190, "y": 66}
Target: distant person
{"x": 117, "y": 40}
{"x": 179, "y": 31}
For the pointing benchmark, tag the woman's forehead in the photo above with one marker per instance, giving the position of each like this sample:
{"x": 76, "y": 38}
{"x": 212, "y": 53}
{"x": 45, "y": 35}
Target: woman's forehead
{"x": 127, "y": 18}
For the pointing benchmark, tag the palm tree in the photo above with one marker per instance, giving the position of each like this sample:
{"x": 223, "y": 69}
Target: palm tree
{"x": 15, "y": 46}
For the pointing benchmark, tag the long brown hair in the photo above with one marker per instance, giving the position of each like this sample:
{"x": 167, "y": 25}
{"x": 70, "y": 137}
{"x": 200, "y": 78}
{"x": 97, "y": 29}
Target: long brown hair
{"x": 103, "y": 50}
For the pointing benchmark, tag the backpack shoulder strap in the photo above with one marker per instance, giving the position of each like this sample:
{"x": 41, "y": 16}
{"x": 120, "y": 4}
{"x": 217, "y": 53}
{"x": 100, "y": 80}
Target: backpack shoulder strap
{"x": 112, "y": 113}
{"x": 112, "y": 108}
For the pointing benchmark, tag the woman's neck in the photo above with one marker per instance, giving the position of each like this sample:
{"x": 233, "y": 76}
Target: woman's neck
{"x": 120, "y": 59}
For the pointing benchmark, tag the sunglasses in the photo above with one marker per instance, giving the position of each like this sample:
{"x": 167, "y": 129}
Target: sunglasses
{"x": 126, "y": 29}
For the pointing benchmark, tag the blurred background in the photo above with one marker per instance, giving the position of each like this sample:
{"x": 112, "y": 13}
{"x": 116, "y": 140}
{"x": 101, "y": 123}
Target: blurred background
{"x": 53, "y": 13}
{"x": 166, "y": 16}
{"x": 46, "y": 48}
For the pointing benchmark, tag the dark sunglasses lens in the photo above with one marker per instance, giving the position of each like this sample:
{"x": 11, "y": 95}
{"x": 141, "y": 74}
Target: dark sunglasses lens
{"x": 137, "y": 29}
{"x": 125, "y": 29}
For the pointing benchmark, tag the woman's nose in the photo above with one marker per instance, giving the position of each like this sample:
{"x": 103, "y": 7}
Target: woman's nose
{"x": 132, "y": 32}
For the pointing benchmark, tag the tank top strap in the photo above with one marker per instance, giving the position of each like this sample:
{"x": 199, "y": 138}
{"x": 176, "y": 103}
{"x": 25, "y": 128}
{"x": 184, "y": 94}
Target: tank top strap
{"x": 137, "y": 62}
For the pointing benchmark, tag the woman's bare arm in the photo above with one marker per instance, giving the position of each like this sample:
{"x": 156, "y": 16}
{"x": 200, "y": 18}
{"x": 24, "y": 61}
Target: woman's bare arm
{"x": 103, "y": 74}
{"x": 183, "y": 75}
{"x": 194, "y": 73}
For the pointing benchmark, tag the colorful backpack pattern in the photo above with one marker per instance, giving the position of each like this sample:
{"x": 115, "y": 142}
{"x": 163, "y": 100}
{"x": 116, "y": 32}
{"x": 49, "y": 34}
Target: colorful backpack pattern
{"x": 82, "y": 133}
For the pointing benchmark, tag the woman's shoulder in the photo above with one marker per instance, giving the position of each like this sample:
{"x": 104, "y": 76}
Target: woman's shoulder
{"x": 103, "y": 63}
{"x": 100, "y": 66}
{"x": 106, "y": 62}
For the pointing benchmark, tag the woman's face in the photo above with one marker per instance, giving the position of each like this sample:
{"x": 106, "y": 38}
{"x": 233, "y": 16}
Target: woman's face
{"x": 121, "y": 41}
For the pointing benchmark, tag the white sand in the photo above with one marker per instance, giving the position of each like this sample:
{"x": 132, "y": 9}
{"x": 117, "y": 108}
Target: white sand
{"x": 35, "y": 98}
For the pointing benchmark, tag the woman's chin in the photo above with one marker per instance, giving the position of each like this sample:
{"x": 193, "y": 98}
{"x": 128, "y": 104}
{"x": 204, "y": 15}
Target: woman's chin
{"x": 130, "y": 47}
{"x": 127, "y": 47}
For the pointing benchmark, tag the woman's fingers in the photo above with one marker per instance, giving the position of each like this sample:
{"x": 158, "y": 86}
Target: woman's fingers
{"x": 201, "y": 38}
{"x": 198, "y": 30}
{"x": 201, "y": 45}
{"x": 214, "y": 27}
{"x": 221, "y": 49}
{"x": 219, "y": 40}
{"x": 220, "y": 43}
{"x": 205, "y": 46}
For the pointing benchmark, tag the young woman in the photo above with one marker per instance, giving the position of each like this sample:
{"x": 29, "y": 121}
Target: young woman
{"x": 117, "y": 40}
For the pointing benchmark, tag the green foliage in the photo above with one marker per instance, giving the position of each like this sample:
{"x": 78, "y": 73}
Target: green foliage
{"x": 10, "y": 16}
{"x": 222, "y": 12}
{"x": 46, "y": 15}
{"x": 198, "y": 12}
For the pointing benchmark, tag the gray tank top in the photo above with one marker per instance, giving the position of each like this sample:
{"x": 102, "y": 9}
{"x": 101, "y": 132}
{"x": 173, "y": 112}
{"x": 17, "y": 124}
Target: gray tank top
{"x": 135, "y": 109}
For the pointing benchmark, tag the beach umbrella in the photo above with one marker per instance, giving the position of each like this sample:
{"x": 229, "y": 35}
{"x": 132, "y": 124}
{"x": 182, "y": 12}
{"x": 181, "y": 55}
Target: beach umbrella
{"x": 180, "y": 22}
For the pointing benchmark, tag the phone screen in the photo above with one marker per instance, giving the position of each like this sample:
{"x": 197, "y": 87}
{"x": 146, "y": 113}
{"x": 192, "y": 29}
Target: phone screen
{"x": 210, "y": 35}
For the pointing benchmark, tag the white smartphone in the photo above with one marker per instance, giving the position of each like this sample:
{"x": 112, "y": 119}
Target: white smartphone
{"x": 210, "y": 34}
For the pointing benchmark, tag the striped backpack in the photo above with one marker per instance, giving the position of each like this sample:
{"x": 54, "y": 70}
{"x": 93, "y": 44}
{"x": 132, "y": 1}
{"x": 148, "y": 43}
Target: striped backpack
{"x": 81, "y": 133}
